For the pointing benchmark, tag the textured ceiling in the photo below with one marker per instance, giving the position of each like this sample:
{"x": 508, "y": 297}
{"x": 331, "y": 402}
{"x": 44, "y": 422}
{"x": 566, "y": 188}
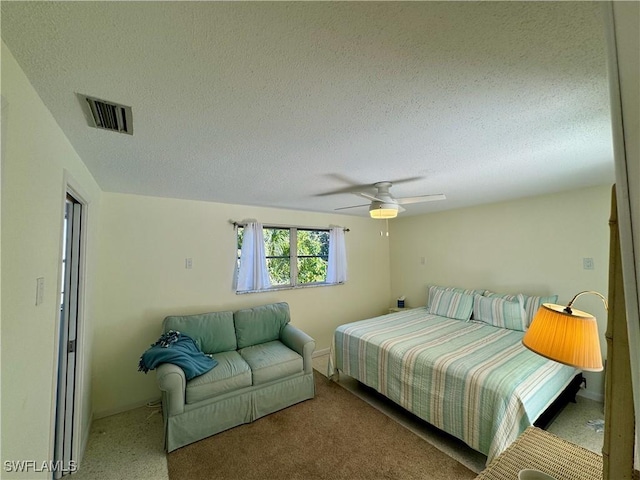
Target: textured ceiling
{"x": 276, "y": 104}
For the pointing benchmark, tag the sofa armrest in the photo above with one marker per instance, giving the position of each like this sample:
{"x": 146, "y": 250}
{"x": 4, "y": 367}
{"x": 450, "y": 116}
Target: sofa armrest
{"x": 300, "y": 342}
{"x": 172, "y": 381}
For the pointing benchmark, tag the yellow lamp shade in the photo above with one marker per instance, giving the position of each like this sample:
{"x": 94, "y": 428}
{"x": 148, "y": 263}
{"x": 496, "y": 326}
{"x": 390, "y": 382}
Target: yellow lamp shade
{"x": 569, "y": 338}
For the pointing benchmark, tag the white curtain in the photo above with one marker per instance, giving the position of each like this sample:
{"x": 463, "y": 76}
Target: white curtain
{"x": 337, "y": 268}
{"x": 253, "y": 273}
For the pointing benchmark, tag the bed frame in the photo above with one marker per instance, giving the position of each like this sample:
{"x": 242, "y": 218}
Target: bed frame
{"x": 568, "y": 395}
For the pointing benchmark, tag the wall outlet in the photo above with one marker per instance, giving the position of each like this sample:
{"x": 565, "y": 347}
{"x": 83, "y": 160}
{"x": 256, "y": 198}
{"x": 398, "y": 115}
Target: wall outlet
{"x": 587, "y": 263}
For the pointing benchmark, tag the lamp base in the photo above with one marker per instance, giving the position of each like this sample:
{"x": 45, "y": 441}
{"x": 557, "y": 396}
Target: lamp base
{"x": 530, "y": 474}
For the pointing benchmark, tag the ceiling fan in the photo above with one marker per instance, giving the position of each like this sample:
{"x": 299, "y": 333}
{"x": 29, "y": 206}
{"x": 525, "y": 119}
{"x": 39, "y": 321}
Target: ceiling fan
{"x": 384, "y": 205}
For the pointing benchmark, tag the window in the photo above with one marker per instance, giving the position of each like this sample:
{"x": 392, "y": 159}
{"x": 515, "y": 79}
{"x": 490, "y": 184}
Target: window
{"x": 296, "y": 256}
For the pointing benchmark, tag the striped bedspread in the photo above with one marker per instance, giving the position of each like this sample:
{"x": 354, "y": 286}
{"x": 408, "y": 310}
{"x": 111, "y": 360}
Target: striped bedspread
{"x": 472, "y": 380}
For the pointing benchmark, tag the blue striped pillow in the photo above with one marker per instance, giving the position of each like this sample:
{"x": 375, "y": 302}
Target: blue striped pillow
{"x": 499, "y": 312}
{"x": 434, "y": 288}
{"x": 447, "y": 303}
{"x": 531, "y": 303}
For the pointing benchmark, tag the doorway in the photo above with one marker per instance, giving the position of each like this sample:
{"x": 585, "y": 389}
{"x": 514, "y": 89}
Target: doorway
{"x": 70, "y": 301}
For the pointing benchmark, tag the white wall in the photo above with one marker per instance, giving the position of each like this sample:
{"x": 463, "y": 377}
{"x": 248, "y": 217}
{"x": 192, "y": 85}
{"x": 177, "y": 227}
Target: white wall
{"x": 143, "y": 279}
{"x": 35, "y": 156}
{"x": 533, "y": 246}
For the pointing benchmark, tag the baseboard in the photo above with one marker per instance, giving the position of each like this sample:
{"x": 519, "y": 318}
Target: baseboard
{"x": 85, "y": 440}
{"x": 125, "y": 408}
{"x": 320, "y": 353}
{"x": 598, "y": 397}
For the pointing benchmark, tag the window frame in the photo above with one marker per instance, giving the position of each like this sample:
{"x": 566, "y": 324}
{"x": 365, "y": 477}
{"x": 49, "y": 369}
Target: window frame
{"x": 293, "y": 258}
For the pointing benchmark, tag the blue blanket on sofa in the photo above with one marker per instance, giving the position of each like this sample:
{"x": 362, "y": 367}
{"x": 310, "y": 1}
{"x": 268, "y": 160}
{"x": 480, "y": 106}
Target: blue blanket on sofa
{"x": 181, "y": 350}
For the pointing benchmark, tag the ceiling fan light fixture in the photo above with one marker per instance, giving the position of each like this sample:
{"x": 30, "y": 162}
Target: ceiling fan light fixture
{"x": 384, "y": 205}
{"x": 381, "y": 210}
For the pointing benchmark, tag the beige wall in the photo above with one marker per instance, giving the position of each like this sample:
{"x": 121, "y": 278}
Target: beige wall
{"x": 143, "y": 278}
{"x": 35, "y": 156}
{"x": 533, "y": 245}
{"x": 138, "y": 275}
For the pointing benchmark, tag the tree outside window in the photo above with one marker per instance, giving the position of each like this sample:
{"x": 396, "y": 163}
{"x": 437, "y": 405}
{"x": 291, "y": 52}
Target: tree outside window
{"x": 295, "y": 256}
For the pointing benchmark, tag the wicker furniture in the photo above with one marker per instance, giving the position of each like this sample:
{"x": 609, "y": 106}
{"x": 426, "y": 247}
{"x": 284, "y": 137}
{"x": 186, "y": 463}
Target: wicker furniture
{"x": 543, "y": 451}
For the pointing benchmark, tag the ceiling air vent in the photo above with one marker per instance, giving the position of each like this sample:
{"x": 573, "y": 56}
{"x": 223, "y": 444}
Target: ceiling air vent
{"x": 110, "y": 115}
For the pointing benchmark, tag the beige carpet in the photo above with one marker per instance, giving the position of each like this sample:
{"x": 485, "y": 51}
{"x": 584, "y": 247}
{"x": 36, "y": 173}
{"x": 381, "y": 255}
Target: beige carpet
{"x": 334, "y": 436}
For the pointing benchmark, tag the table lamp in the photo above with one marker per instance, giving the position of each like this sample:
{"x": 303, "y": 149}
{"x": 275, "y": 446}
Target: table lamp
{"x": 566, "y": 335}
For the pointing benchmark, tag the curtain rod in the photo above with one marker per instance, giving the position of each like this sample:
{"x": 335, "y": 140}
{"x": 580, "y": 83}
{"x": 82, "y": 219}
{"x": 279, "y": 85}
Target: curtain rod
{"x": 274, "y": 225}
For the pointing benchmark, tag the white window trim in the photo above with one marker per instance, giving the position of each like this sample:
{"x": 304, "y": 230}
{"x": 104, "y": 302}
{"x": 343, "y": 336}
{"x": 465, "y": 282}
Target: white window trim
{"x": 293, "y": 264}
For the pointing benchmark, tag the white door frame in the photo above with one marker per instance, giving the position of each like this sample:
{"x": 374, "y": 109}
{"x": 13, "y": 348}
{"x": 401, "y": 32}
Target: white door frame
{"x": 71, "y": 186}
{"x": 624, "y": 108}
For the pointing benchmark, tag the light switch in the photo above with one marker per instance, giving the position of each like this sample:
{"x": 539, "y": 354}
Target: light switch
{"x": 188, "y": 263}
{"x": 39, "y": 290}
{"x": 587, "y": 263}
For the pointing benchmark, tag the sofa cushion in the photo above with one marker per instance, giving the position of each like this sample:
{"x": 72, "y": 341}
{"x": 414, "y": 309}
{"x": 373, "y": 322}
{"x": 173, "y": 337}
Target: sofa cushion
{"x": 213, "y": 332}
{"x": 231, "y": 373}
{"x": 260, "y": 324}
{"x": 271, "y": 361}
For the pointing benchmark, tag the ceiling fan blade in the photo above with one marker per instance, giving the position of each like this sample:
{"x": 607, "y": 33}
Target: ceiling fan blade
{"x": 401, "y": 209}
{"x": 420, "y": 198}
{"x": 405, "y": 180}
{"x": 339, "y": 191}
{"x": 370, "y": 197}
{"x": 353, "y": 206}
{"x": 354, "y": 189}
{"x": 350, "y": 185}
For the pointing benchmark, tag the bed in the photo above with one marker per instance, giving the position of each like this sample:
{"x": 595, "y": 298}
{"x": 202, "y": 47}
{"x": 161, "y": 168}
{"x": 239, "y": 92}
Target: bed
{"x": 473, "y": 380}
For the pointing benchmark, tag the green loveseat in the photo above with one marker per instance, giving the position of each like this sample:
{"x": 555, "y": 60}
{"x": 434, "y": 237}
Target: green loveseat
{"x": 264, "y": 365}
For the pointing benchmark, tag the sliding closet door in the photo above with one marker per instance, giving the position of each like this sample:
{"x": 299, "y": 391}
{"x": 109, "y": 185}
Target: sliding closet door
{"x": 71, "y": 268}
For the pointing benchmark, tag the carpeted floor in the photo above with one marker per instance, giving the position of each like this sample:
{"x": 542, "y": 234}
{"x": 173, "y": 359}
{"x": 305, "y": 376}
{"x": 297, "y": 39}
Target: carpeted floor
{"x": 334, "y": 436}
{"x": 129, "y": 445}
